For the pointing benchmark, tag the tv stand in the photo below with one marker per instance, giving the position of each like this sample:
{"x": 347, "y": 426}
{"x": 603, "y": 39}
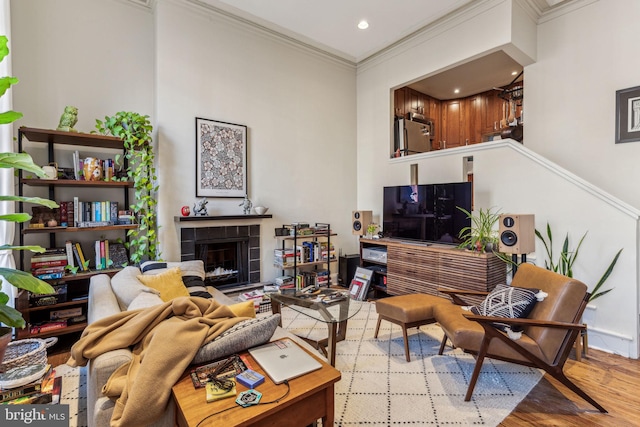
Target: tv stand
{"x": 423, "y": 268}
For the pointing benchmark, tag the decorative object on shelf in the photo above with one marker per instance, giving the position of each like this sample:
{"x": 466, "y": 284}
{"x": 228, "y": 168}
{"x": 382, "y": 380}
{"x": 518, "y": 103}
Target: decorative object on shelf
{"x": 50, "y": 171}
{"x": 185, "y": 210}
{"x": 200, "y": 207}
{"x": 20, "y": 279}
{"x": 92, "y": 169}
{"x": 246, "y": 205}
{"x": 135, "y": 131}
{"x": 261, "y": 210}
{"x": 221, "y": 159}
{"x": 68, "y": 119}
{"x": 628, "y": 115}
{"x": 372, "y": 230}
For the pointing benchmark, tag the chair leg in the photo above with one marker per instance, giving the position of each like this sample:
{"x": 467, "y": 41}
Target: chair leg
{"x": 578, "y": 347}
{"x": 560, "y": 376}
{"x": 377, "y": 328}
{"x": 442, "y": 344}
{"x": 477, "y": 368}
{"x": 406, "y": 342}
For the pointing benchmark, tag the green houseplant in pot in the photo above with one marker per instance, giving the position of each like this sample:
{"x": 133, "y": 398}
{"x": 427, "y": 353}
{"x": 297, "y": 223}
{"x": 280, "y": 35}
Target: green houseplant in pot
{"x": 135, "y": 131}
{"x": 20, "y": 279}
{"x": 482, "y": 235}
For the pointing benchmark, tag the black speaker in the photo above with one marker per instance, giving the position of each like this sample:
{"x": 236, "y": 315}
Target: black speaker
{"x": 347, "y": 265}
{"x": 360, "y": 220}
{"x": 517, "y": 234}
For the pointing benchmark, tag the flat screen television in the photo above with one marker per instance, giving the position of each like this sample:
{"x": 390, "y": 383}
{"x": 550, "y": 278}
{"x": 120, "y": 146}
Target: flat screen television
{"x": 426, "y": 212}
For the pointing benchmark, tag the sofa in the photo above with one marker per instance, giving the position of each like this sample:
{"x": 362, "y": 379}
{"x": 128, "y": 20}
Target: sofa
{"x": 125, "y": 291}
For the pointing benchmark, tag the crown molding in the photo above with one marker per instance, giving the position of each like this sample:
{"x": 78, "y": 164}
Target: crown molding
{"x": 271, "y": 32}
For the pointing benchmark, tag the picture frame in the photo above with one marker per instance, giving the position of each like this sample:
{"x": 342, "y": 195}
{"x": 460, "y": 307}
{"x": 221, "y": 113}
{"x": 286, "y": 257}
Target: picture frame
{"x": 628, "y": 115}
{"x": 221, "y": 159}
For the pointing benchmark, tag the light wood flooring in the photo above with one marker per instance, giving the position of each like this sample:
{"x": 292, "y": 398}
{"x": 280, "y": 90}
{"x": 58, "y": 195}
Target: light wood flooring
{"x": 613, "y": 381}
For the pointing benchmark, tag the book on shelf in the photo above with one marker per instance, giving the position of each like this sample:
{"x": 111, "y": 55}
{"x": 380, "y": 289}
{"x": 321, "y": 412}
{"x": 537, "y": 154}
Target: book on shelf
{"x": 44, "y": 264}
{"x": 83, "y": 266}
{"x": 69, "y": 248}
{"x": 48, "y": 326}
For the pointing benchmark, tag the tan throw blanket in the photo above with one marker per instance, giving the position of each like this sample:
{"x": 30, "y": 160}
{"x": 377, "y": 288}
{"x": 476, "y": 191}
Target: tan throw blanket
{"x": 164, "y": 340}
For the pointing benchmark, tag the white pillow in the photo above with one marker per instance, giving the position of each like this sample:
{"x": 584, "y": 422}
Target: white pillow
{"x": 145, "y": 300}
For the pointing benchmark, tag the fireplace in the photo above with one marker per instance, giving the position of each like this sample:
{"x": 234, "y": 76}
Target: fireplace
{"x": 231, "y": 254}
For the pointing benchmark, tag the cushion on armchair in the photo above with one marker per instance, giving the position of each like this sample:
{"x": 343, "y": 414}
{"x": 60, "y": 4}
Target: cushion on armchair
{"x": 168, "y": 283}
{"x": 126, "y": 286}
{"x": 509, "y": 302}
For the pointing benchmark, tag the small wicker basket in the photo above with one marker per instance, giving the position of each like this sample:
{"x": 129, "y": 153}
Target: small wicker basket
{"x": 32, "y": 351}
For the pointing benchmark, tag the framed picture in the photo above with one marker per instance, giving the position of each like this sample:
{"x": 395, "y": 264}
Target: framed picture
{"x": 628, "y": 115}
{"x": 221, "y": 159}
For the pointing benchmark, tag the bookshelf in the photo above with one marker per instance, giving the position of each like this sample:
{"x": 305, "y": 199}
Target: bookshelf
{"x": 302, "y": 254}
{"x": 76, "y": 286}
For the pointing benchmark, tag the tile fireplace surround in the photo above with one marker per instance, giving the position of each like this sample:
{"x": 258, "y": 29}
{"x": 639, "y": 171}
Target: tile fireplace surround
{"x": 229, "y": 241}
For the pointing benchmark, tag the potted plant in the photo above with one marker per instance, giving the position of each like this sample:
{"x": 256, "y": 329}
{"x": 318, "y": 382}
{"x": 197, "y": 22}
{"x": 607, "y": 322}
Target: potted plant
{"x": 135, "y": 131}
{"x": 567, "y": 257}
{"x": 20, "y": 279}
{"x": 481, "y": 236}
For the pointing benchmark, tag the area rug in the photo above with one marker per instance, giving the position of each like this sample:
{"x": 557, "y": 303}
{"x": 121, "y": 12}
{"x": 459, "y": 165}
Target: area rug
{"x": 380, "y": 388}
{"x": 74, "y": 393}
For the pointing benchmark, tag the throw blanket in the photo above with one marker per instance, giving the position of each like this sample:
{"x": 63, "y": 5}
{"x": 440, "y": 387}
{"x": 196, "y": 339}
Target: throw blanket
{"x": 164, "y": 340}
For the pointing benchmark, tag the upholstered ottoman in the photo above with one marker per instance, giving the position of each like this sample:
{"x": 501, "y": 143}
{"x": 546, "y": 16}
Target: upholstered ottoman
{"x": 407, "y": 311}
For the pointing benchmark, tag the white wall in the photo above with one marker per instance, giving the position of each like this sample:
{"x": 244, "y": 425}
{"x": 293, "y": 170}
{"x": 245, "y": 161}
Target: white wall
{"x": 582, "y": 58}
{"x": 300, "y": 113}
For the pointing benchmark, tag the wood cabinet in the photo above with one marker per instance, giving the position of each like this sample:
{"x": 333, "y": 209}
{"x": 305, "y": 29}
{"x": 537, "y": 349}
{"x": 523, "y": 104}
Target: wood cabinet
{"x": 423, "y": 268}
{"x": 76, "y": 285}
{"x": 457, "y": 122}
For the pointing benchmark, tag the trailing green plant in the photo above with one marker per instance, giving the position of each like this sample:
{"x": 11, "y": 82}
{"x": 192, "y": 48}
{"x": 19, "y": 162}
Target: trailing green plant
{"x": 20, "y": 279}
{"x": 135, "y": 131}
{"x": 481, "y": 235}
{"x": 567, "y": 258}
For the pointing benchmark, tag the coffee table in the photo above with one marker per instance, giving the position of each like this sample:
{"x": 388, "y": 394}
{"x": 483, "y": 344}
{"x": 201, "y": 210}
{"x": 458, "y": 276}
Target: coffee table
{"x": 311, "y": 397}
{"x": 334, "y": 313}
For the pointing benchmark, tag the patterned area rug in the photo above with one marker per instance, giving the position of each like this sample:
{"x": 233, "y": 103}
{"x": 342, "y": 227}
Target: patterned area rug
{"x": 74, "y": 393}
{"x": 380, "y": 388}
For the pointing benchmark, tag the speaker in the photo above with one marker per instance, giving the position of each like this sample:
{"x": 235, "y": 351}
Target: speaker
{"x": 347, "y": 265}
{"x": 517, "y": 234}
{"x": 360, "y": 220}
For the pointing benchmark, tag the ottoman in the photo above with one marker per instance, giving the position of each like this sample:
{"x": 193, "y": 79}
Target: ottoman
{"x": 407, "y": 311}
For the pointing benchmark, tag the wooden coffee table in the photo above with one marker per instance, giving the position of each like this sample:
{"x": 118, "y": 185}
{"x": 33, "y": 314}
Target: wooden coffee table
{"x": 311, "y": 398}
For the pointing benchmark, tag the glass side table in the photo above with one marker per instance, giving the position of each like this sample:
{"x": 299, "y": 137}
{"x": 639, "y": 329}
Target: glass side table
{"x": 330, "y": 306}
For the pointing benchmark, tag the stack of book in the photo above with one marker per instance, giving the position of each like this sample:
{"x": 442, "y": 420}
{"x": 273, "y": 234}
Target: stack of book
{"x": 50, "y": 264}
{"x": 75, "y": 256}
{"x": 45, "y": 389}
{"x": 283, "y": 258}
{"x": 102, "y": 257}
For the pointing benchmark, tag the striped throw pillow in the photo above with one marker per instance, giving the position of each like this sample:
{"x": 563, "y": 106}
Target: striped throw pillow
{"x": 192, "y": 274}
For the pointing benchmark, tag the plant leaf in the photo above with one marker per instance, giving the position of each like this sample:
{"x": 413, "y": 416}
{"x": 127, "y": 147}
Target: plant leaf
{"x": 35, "y": 200}
{"x": 11, "y": 317}
{"x": 38, "y": 249}
{"x": 20, "y": 161}
{"x": 26, "y": 281}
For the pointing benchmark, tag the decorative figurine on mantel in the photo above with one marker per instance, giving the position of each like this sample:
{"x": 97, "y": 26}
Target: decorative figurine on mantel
{"x": 246, "y": 205}
{"x": 69, "y": 119}
{"x": 200, "y": 207}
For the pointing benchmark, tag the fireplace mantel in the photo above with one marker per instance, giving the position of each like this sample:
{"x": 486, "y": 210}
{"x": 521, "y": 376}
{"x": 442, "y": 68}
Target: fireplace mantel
{"x": 219, "y": 217}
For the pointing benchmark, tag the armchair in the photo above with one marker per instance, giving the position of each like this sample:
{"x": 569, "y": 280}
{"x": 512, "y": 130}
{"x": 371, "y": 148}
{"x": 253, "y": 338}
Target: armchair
{"x": 548, "y": 333}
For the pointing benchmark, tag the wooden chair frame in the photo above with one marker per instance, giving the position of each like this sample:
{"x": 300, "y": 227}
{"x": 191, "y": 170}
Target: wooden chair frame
{"x": 555, "y": 368}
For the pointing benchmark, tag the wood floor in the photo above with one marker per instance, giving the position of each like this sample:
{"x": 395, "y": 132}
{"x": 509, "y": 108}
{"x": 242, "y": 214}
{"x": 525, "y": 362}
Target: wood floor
{"x": 613, "y": 381}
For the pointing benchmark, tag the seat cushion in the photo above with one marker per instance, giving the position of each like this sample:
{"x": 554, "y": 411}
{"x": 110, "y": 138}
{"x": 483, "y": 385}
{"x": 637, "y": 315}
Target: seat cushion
{"x": 409, "y": 308}
{"x": 468, "y": 335}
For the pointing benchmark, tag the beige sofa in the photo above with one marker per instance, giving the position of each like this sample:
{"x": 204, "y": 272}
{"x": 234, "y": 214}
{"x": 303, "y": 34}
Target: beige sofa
{"x": 123, "y": 291}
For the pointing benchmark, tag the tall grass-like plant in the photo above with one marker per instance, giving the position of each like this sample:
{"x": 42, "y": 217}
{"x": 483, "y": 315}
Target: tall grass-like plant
{"x": 135, "y": 131}
{"x": 568, "y": 256}
{"x": 481, "y": 235}
{"x": 20, "y": 279}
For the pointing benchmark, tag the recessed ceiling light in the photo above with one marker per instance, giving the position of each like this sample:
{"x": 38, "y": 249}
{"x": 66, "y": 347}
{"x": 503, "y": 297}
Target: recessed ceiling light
{"x": 456, "y": 91}
{"x": 363, "y": 25}
{"x": 513, "y": 73}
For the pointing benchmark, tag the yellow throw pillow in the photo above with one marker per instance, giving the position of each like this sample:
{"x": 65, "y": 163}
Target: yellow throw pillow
{"x": 243, "y": 309}
{"x": 168, "y": 283}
